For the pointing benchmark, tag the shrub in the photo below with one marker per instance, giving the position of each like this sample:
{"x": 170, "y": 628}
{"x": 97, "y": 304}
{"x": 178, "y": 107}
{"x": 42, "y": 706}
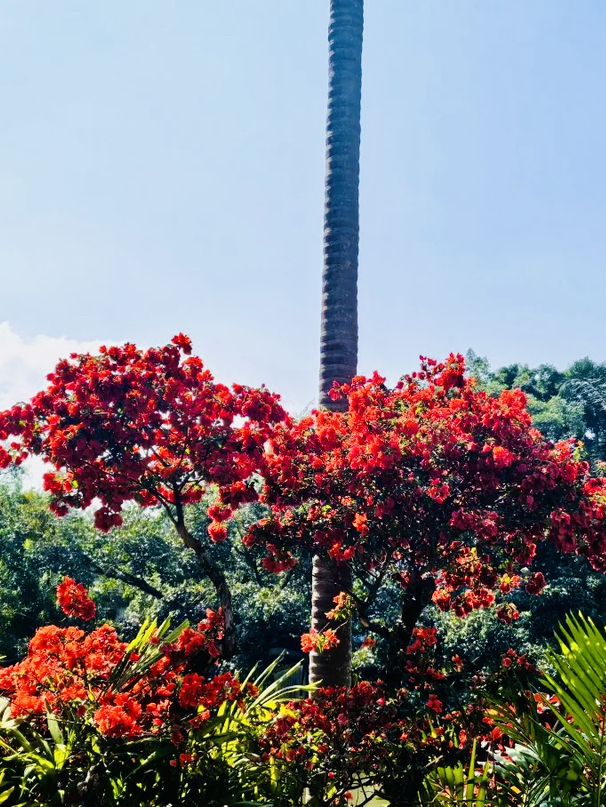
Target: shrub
{"x": 90, "y": 720}
{"x": 555, "y": 754}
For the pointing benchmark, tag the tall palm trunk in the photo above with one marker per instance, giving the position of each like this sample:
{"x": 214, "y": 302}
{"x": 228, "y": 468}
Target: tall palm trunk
{"x": 339, "y": 335}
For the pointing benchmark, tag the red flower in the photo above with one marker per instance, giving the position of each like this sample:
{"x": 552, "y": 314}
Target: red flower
{"x": 74, "y": 601}
{"x": 317, "y": 642}
{"x": 433, "y": 484}
{"x": 182, "y": 341}
{"x": 309, "y": 641}
{"x": 536, "y": 583}
{"x": 119, "y": 718}
{"x": 502, "y": 457}
{"x": 218, "y": 532}
{"x": 508, "y": 613}
{"x": 435, "y": 704}
{"x": 145, "y": 425}
{"x": 191, "y": 691}
{"x": 360, "y": 523}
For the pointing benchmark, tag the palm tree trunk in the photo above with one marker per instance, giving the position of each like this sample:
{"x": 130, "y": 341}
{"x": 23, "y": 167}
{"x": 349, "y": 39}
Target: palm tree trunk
{"x": 339, "y": 333}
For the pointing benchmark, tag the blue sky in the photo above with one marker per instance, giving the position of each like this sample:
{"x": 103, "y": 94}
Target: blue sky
{"x": 162, "y": 167}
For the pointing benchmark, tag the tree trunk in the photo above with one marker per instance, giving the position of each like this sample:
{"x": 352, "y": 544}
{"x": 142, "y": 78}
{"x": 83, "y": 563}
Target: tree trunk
{"x": 339, "y": 331}
{"x": 332, "y": 667}
{"x": 418, "y": 597}
{"x": 217, "y": 577}
{"x": 339, "y": 334}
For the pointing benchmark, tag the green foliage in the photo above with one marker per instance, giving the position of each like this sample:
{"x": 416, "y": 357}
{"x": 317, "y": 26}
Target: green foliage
{"x": 571, "y": 754}
{"x": 136, "y": 571}
{"x": 559, "y": 756}
{"x": 564, "y": 404}
{"x": 458, "y": 784}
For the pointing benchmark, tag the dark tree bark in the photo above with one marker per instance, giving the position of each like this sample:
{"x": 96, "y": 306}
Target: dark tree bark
{"x": 332, "y": 668}
{"x": 125, "y": 577}
{"x": 417, "y": 598}
{"x": 210, "y": 569}
{"x": 339, "y": 331}
{"x": 218, "y": 579}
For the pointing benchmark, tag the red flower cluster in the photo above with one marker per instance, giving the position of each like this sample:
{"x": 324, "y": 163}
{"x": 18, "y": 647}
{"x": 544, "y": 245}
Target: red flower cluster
{"x": 319, "y": 641}
{"x": 435, "y": 484}
{"x": 61, "y": 666}
{"x": 435, "y": 704}
{"x": 74, "y": 601}
{"x": 95, "y": 677}
{"x": 421, "y": 658}
{"x": 151, "y": 426}
{"x": 422, "y": 640}
{"x": 360, "y": 716}
{"x": 344, "y": 608}
{"x": 365, "y": 732}
{"x": 508, "y": 613}
{"x": 516, "y": 661}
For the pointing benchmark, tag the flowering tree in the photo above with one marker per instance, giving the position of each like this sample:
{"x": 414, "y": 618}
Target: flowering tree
{"x": 149, "y": 426}
{"x": 433, "y": 485}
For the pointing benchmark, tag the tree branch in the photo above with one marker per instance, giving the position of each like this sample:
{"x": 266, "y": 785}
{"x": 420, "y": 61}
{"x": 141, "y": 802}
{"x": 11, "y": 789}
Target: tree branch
{"x": 125, "y": 577}
{"x": 214, "y": 573}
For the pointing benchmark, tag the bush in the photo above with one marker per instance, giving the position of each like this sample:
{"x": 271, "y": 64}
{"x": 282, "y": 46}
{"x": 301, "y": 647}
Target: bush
{"x": 90, "y": 720}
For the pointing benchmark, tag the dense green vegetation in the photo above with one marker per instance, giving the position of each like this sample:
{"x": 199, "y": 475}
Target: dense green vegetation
{"x": 136, "y": 571}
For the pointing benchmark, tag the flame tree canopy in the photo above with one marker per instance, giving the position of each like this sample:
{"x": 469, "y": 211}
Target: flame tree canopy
{"x": 149, "y": 426}
{"x": 434, "y": 485}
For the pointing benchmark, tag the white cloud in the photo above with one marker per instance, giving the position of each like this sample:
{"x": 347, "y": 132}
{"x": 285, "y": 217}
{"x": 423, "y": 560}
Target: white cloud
{"x": 24, "y": 365}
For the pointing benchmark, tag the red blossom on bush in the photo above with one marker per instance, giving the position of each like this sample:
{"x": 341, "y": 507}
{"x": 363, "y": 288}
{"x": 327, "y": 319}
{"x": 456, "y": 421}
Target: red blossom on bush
{"x": 344, "y": 608}
{"x": 69, "y": 672}
{"x": 508, "y": 613}
{"x": 120, "y": 717}
{"x": 512, "y": 660}
{"x": 435, "y": 704}
{"x": 536, "y": 583}
{"x": 422, "y": 640}
{"x": 366, "y": 733}
{"x": 319, "y": 641}
{"x": 74, "y": 601}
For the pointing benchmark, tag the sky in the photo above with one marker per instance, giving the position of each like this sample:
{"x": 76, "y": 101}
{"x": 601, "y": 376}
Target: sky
{"x": 162, "y": 170}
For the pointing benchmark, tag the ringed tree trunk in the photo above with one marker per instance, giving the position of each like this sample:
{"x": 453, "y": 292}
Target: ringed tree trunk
{"x": 339, "y": 329}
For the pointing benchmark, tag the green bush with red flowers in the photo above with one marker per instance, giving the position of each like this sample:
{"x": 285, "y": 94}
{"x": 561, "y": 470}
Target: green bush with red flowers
{"x": 90, "y": 719}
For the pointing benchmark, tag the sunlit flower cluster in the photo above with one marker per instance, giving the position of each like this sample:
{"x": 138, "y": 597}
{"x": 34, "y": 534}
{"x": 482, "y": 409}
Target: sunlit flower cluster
{"x": 95, "y": 676}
